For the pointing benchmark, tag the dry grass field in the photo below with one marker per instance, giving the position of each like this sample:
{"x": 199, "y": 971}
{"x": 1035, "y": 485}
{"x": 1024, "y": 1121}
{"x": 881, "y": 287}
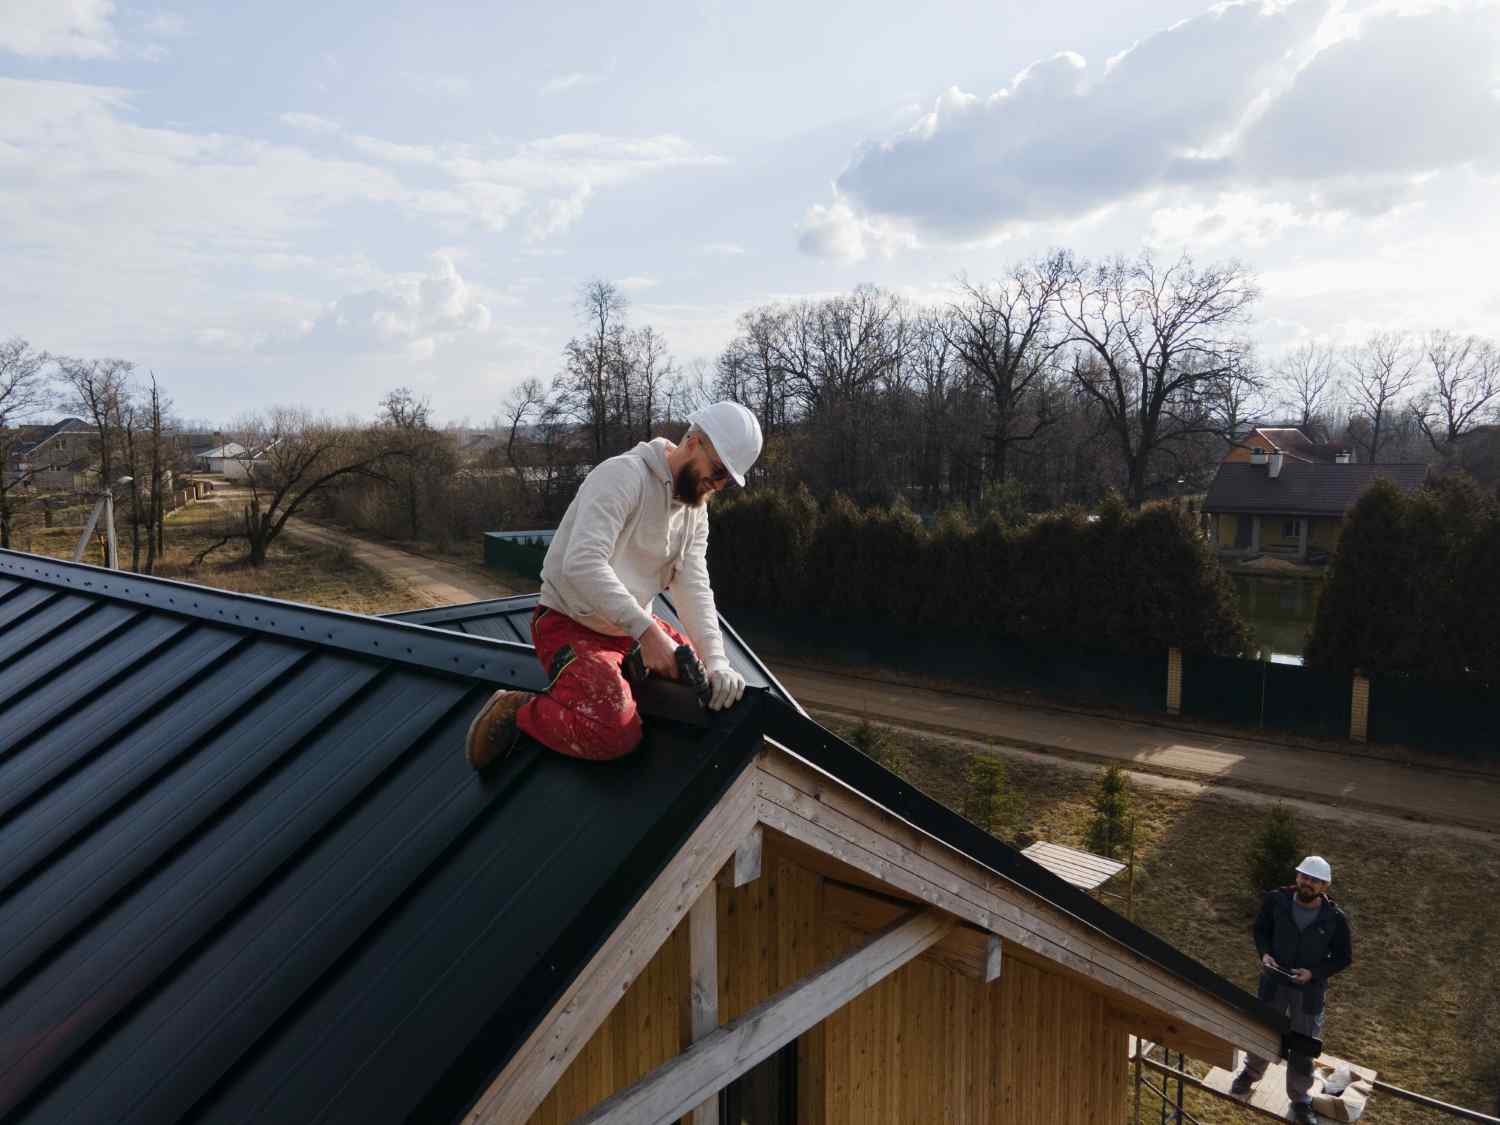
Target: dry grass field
{"x": 1421, "y": 1003}
{"x": 295, "y": 571}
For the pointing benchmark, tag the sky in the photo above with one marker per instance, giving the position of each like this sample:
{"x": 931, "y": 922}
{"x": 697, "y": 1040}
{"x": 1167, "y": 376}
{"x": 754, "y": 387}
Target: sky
{"x": 311, "y": 204}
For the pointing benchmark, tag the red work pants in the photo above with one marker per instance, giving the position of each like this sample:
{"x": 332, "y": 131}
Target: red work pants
{"x": 588, "y": 710}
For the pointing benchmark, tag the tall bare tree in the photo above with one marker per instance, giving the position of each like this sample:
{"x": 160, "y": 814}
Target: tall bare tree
{"x": 1377, "y": 374}
{"x": 419, "y": 450}
{"x": 1153, "y": 344}
{"x": 592, "y": 362}
{"x": 25, "y": 393}
{"x": 1005, "y": 333}
{"x": 156, "y": 407}
{"x": 1306, "y": 380}
{"x": 1465, "y": 386}
{"x": 98, "y": 390}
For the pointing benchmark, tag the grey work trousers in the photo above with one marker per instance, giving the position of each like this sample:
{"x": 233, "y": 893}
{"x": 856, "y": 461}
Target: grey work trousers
{"x": 1305, "y": 1007}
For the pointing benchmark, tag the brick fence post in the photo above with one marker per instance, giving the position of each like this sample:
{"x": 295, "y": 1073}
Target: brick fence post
{"x": 1359, "y": 709}
{"x": 1174, "y": 681}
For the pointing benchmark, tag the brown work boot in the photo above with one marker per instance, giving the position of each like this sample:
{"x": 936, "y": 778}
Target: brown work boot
{"x": 493, "y": 733}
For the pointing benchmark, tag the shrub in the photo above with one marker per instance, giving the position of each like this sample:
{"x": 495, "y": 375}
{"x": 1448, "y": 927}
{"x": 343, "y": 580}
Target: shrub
{"x": 1274, "y": 851}
{"x": 1110, "y": 829}
{"x": 990, "y": 802}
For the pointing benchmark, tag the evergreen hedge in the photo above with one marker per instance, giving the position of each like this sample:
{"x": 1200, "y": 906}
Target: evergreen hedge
{"x": 1126, "y": 581}
{"x": 1412, "y": 586}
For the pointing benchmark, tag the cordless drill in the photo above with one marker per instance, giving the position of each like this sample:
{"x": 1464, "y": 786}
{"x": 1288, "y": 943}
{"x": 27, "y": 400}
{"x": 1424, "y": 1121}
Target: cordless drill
{"x": 657, "y": 696}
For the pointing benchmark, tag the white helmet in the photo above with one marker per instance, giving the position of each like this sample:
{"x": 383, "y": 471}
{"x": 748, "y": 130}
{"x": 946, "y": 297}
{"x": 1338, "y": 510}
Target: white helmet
{"x": 734, "y": 433}
{"x": 1316, "y": 867}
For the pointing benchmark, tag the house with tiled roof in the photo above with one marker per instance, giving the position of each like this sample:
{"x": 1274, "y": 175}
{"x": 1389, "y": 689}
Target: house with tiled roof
{"x": 1260, "y": 442}
{"x": 1283, "y": 507}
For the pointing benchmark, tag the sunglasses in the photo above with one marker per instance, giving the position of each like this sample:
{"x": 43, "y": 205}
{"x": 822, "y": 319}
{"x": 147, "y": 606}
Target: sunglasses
{"x": 717, "y": 472}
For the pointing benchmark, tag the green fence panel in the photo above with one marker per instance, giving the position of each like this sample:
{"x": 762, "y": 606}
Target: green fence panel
{"x": 1223, "y": 688}
{"x": 1458, "y": 717}
{"x": 1306, "y": 700}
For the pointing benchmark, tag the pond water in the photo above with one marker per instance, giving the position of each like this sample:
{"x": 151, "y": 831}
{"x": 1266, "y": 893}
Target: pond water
{"x": 1280, "y": 613}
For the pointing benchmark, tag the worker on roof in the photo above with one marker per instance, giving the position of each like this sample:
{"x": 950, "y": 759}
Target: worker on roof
{"x": 638, "y": 526}
{"x": 1302, "y": 939}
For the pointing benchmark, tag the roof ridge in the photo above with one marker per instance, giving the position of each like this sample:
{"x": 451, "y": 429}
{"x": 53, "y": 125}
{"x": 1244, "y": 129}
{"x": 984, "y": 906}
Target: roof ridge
{"x": 438, "y": 650}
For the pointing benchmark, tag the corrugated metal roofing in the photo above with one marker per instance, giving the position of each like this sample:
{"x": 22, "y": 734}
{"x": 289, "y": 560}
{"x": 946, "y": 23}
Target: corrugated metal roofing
{"x": 1301, "y": 488}
{"x": 247, "y": 875}
{"x": 509, "y": 619}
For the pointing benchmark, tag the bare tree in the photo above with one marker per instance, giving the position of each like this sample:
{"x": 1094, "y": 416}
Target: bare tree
{"x": 156, "y": 407}
{"x": 25, "y": 393}
{"x": 290, "y": 456}
{"x": 1306, "y": 378}
{"x": 419, "y": 451}
{"x": 1153, "y": 344}
{"x": 1466, "y": 378}
{"x": 651, "y": 369}
{"x": 592, "y": 361}
{"x": 1376, "y": 374}
{"x": 98, "y": 390}
{"x": 1005, "y": 333}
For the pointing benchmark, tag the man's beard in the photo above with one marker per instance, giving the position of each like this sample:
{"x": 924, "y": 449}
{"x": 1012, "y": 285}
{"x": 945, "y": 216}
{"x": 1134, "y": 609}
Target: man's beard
{"x": 1306, "y": 894}
{"x": 688, "y": 486}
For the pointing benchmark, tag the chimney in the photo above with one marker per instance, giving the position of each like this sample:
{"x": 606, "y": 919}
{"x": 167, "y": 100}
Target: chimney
{"x": 1343, "y": 458}
{"x": 1274, "y": 470}
{"x": 1257, "y": 455}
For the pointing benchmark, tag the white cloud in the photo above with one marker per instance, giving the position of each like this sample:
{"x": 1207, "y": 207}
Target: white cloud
{"x": 1308, "y": 106}
{"x": 728, "y": 249}
{"x": 75, "y": 29}
{"x": 395, "y": 153}
{"x": 635, "y": 284}
{"x": 577, "y": 80}
{"x": 839, "y": 232}
{"x": 411, "y": 316}
{"x": 310, "y": 123}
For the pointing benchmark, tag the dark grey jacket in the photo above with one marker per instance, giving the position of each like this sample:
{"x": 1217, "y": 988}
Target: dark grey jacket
{"x": 1324, "y": 948}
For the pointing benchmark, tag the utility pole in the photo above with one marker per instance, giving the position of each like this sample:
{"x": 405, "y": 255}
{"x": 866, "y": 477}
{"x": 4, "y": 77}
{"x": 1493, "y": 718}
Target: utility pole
{"x": 106, "y": 506}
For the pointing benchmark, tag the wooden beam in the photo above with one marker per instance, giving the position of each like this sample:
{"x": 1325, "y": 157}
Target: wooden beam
{"x": 1176, "y": 1035}
{"x": 745, "y": 867}
{"x": 702, "y": 1004}
{"x": 817, "y": 810}
{"x": 866, "y": 912}
{"x": 992, "y": 960}
{"x": 535, "y": 1068}
{"x": 709, "y": 1065}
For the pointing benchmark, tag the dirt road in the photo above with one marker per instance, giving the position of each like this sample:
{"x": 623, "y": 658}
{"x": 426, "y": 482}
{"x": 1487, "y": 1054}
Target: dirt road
{"x": 1327, "y": 780}
{"x": 436, "y": 583}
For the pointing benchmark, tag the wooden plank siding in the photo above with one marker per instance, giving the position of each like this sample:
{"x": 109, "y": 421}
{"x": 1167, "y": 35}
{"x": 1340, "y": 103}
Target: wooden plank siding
{"x": 929, "y": 1042}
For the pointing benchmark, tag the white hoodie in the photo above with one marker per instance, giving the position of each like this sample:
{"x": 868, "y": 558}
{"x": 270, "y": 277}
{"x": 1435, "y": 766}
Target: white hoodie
{"x": 624, "y": 539}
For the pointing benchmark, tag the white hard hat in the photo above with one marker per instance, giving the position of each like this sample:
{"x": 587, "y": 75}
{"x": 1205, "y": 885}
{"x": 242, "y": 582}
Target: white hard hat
{"x": 734, "y": 433}
{"x": 1316, "y": 867}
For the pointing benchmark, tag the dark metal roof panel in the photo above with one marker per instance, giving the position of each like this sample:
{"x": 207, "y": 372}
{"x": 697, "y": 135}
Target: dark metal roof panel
{"x": 246, "y": 873}
{"x": 510, "y": 619}
{"x": 1301, "y": 488}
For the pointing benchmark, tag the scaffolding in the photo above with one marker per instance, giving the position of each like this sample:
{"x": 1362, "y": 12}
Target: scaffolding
{"x": 1169, "y": 1068}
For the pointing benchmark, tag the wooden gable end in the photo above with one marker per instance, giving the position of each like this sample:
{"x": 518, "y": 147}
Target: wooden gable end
{"x": 1007, "y": 1011}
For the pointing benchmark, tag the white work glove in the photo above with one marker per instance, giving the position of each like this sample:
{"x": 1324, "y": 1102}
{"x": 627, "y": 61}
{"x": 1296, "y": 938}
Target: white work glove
{"x": 726, "y": 686}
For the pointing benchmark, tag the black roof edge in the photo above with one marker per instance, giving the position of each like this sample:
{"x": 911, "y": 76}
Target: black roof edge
{"x": 462, "y": 612}
{"x": 437, "y": 650}
{"x": 806, "y": 739}
{"x": 738, "y": 732}
{"x": 750, "y": 652}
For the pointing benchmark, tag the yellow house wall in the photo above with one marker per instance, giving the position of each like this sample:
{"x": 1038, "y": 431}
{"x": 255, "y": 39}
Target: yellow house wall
{"x": 926, "y": 1044}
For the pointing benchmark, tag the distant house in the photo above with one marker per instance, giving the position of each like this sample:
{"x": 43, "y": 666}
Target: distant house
{"x": 231, "y": 460}
{"x": 1288, "y": 508}
{"x": 1262, "y": 441}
